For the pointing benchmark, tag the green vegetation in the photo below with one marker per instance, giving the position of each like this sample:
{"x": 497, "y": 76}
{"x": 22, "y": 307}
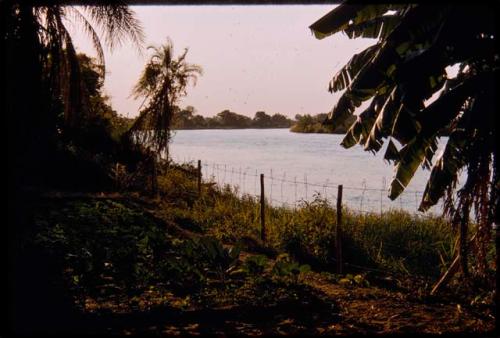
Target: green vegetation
{"x": 399, "y": 74}
{"x": 180, "y": 253}
{"x": 395, "y": 241}
{"x": 188, "y": 119}
{"x": 91, "y": 250}
{"x": 314, "y": 124}
{"x": 162, "y": 84}
{"x": 119, "y": 257}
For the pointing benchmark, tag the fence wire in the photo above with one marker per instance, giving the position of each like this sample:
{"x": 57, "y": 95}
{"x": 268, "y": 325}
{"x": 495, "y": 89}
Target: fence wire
{"x": 282, "y": 189}
{"x": 287, "y": 191}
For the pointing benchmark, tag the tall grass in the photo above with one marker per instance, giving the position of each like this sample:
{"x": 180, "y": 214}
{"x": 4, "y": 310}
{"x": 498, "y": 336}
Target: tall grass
{"x": 396, "y": 240}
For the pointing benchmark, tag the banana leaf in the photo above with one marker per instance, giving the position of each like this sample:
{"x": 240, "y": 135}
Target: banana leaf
{"x": 405, "y": 127}
{"x": 445, "y": 170}
{"x": 374, "y": 78}
{"x": 342, "y": 110}
{"x": 442, "y": 111}
{"x": 422, "y": 149}
{"x": 412, "y": 155}
{"x": 379, "y": 27}
{"x": 429, "y": 154}
{"x": 343, "y": 77}
{"x": 339, "y": 18}
{"x": 391, "y": 153}
{"x": 360, "y": 130}
{"x": 384, "y": 121}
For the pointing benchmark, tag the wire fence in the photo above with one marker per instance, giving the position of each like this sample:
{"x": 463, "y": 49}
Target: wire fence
{"x": 285, "y": 190}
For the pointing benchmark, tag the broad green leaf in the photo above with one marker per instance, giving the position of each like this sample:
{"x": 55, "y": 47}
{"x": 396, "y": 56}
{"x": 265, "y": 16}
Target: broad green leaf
{"x": 429, "y": 153}
{"x": 405, "y": 127}
{"x": 413, "y": 154}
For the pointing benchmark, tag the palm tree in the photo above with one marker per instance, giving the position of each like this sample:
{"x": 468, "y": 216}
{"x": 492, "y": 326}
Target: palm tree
{"x": 117, "y": 22}
{"x": 399, "y": 74}
{"x": 42, "y": 75}
{"x": 40, "y": 34}
{"x": 163, "y": 82}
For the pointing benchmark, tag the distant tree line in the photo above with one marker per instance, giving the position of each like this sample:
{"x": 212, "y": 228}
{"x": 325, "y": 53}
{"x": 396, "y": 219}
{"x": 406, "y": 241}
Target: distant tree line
{"x": 314, "y": 124}
{"x": 186, "y": 118}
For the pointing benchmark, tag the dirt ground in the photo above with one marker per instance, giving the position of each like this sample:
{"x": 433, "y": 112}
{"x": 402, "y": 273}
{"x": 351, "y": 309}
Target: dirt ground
{"x": 322, "y": 308}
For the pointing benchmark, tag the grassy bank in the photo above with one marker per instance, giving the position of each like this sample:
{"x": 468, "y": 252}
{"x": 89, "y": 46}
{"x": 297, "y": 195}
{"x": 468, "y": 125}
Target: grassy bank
{"x": 129, "y": 260}
{"x": 395, "y": 241}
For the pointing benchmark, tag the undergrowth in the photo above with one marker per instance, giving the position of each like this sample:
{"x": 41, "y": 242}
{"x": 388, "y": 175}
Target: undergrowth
{"x": 395, "y": 240}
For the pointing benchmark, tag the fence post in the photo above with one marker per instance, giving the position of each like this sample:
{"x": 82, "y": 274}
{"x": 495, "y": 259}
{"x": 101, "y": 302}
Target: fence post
{"x": 154, "y": 178}
{"x": 338, "y": 231}
{"x": 199, "y": 178}
{"x": 262, "y": 210}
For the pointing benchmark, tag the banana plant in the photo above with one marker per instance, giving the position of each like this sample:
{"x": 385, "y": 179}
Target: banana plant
{"x": 400, "y": 73}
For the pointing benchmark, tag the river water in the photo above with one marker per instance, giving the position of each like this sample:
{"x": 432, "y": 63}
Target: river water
{"x": 297, "y": 167}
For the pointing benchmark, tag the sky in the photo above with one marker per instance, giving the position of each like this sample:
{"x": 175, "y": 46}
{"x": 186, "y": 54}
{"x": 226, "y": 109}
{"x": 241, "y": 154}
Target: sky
{"x": 253, "y": 57}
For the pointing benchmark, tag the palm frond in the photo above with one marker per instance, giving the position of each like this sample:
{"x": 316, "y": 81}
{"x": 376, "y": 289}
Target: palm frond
{"x": 90, "y": 31}
{"x": 118, "y": 23}
{"x": 163, "y": 81}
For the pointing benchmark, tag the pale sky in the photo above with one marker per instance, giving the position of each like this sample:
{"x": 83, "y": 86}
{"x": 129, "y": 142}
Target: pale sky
{"x": 254, "y": 58}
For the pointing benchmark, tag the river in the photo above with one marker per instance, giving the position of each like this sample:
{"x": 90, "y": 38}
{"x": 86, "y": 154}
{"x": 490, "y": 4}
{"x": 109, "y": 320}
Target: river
{"x": 297, "y": 167}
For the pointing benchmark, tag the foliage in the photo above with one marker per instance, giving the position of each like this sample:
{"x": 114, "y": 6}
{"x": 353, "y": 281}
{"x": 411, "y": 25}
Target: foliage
{"x": 96, "y": 151}
{"x": 163, "y": 82}
{"x": 187, "y": 119}
{"x": 194, "y": 261}
{"x": 102, "y": 241}
{"x": 394, "y": 240}
{"x": 314, "y": 124}
{"x": 400, "y": 74}
{"x": 285, "y": 267}
{"x": 353, "y": 280}
{"x": 58, "y": 112}
{"x": 255, "y": 265}
{"x": 56, "y": 53}
{"x": 108, "y": 241}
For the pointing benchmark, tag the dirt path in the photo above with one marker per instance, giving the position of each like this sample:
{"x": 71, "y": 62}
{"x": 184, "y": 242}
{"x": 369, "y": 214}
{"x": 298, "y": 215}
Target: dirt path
{"x": 380, "y": 311}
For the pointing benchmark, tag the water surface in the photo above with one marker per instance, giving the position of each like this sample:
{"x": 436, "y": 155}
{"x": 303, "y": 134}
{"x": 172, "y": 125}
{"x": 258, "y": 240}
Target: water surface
{"x": 290, "y": 160}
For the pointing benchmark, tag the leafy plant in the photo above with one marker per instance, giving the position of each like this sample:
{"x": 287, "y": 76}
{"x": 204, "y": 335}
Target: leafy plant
{"x": 285, "y": 267}
{"x": 195, "y": 261}
{"x": 221, "y": 260}
{"x": 400, "y": 74}
{"x": 353, "y": 280}
{"x": 254, "y": 265}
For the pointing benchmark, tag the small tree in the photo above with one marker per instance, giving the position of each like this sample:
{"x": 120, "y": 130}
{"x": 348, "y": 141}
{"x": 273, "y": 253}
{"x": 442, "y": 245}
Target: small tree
{"x": 163, "y": 82}
{"x": 262, "y": 120}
